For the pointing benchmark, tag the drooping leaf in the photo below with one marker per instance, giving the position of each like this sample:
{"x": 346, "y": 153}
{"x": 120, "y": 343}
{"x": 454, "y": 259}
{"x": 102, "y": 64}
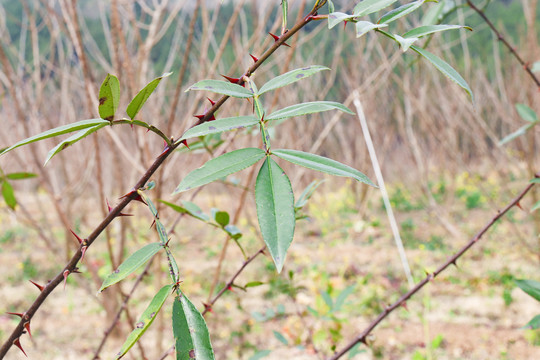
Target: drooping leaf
{"x": 531, "y": 287}
{"x": 446, "y": 69}
{"x": 401, "y": 11}
{"x": 307, "y": 108}
{"x": 64, "y": 129}
{"x": 138, "y": 101}
{"x": 222, "y": 87}
{"x": 160, "y": 228}
{"x": 220, "y": 167}
{"x": 8, "y": 194}
{"x": 534, "y": 323}
{"x": 291, "y": 77}
{"x": 20, "y": 176}
{"x": 145, "y": 320}
{"x": 367, "y": 7}
{"x": 320, "y": 163}
{"x": 81, "y": 134}
{"x": 335, "y": 18}
{"x": 132, "y": 263}
{"x": 188, "y": 208}
{"x": 275, "y": 210}
{"x": 405, "y": 43}
{"x": 109, "y": 97}
{"x": 527, "y": 113}
{"x": 220, "y": 125}
{"x": 191, "y": 335}
{"x": 430, "y": 29}
{"x": 519, "y": 132}
{"x": 363, "y": 27}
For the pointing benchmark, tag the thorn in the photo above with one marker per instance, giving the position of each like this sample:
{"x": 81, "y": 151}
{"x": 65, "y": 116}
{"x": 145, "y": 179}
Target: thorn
{"x": 229, "y": 287}
{"x": 404, "y": 305}
{"x": 165, "y": 150}
{"x": 254, "y": 58}
{"x": 276, "y": 38}
{"x": 185, "y": 143}
{"x": 364, "y": 341}
{"x": 26, "y": 324}
{"x": 200, "y": 117}
{"x": 208, "y": 308}
{"x": 519, "y": 206}
{"x": 211, "y": 101}
{"x": 136, "y": 198}
{"x": 345, "y": 24}
{"x": 66, "y": 273}
{"x": 455, "y": 263}
{"x": 83, "y": 251}
{"x": 231, "y": 79}
{"x": 109, "y": 208}
{"x": 77, "y": 236}
{"x": 40, "y": 287}
{"x": 17, "y": 343}
{"x": 153, "y": 223}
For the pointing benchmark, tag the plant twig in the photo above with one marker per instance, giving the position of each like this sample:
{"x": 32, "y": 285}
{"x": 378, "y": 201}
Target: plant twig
{"x": 429, "y": 277}
{"x": 501, "y": 38}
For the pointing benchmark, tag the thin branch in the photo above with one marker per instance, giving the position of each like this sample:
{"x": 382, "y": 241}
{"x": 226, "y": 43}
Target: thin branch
{"x": 501, "y": 38}
{"x": 71, "y": 266}
{"x": 429, "y": 277}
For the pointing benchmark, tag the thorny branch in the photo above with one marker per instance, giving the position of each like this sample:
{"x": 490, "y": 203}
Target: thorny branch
{"x": 71, "y": 266}
{"x": 362, "y": 337}
{"x": 501, "y": 38}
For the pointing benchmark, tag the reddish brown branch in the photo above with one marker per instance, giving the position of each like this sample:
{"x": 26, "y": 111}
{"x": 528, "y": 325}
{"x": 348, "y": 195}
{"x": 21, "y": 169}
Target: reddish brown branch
{"x": 71, "y": 266}
{"x": 361, "y": 338}
{"x": 501, "y": 38}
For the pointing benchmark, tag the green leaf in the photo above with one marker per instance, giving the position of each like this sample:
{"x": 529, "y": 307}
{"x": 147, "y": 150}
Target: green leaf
{"x": 219, "y": 125}
{"x": 446, "y": 69}
{"x": 535, "y": 181}
{"x": 531, "y": 287}
{"x": 260, "y": 354}
{"x": 253, "y": 284}
{"x": 220, "y": 167}
{"x": 340, "y": 301}
{"x": 188, "y": 208}
{"x": 536, "y": 206}
{"x": 534, "y": 323}
{"x": 190, "y": 331}
{"x": 307, "y": 193}
{"x": 20, "y": 176}
{"x": 222, "y": 87}
{"x": 363, "y": 27}
{"x": 81, "y": 134}
{"x": 131, "y": 264}
{"x": 405, "y": 43}
{"x": 536, "y": 67}
{"x": 519, "y": 132}
{"x": 307, "y": 108}
{"x": 233, "y": 231}
{"x": 285, "y": 12}
{"x": 275, "y": 210}
{"x": 281, "y": 338}
{"x": 401, "y": 11}
{"x": 320, "y": 163}
{"x": 109, "y": 97}
{"x": 526, "y": 113}
{"x": 327, "y": 300}
{"x": 367, "y": 7}
{"x": 430, "y": 29}
{"x": 145, "y": 320}
{"x": 291, "y": 77}
{"x": 138, "y": 101}
{"x": 335, "y": 18}
{"x": 222, "y": 218}
{"x": 9, "y": 195}
{"x": 64, "y": 129}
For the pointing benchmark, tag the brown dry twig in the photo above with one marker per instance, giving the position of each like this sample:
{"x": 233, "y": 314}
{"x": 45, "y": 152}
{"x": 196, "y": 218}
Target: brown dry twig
{"x": 362, "y": 337}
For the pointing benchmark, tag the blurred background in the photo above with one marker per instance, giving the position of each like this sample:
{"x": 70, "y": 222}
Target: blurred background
{"x": 440, "y": 155}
